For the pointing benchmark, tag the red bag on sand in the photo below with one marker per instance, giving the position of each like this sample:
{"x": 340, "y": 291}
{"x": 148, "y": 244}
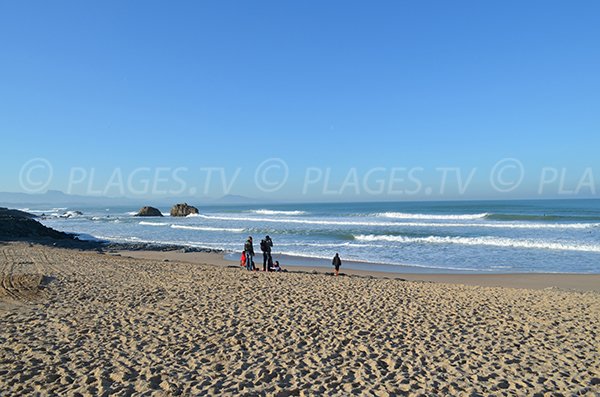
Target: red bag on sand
{"x": 243, "y": 259}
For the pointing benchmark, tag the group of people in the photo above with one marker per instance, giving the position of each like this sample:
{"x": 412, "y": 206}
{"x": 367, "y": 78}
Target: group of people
{"x": 266, "y": 244}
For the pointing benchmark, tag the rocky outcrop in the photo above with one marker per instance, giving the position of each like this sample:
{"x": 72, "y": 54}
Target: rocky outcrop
{"x": 149, "y": 211}
{"x": 5, "y": 212}
{"x": 71, "y": 214}
{"x": 15, "y": 225}
{"x": 183, "y": 210}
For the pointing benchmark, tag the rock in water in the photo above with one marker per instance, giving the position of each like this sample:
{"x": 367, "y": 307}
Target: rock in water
{"x": 149, "y": 211}
{"x": 183, "y": 210}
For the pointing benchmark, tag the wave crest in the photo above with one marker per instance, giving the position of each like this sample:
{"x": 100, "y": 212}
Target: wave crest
{"x": 404, "y": 215}
{"x": 144, "y": 223}
{"x": 499, "y": 225}
{"x": 485, "y": 240}
{"x": 275, "y": 212}
{"x": 208, "y": 229}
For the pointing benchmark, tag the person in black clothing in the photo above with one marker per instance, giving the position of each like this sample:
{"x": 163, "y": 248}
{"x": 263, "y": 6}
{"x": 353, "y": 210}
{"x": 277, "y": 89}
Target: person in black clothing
{"x": 249, "y": 250}
{"x": 337, "y": 262}
{"x": 265, "y": 247}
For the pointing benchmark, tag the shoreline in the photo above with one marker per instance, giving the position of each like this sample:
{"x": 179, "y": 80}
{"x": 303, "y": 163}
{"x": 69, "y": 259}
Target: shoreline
{"x": 534, "y": 281}
{"x": 19, "y": 226}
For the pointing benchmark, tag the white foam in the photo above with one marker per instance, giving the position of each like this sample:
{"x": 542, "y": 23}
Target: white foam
{"x": 274, "y": 212}
{"x": 71, "y": 214}
{"x": 208, "y": 229}
{"x": 403, "y": 215}
{"x": 192, "y": 215}
{"x": 132, "y": 213}
{"x": 154, "y": 223}
{"x": 486, "y": 241}
{"x": 406, "y": 224}
{"x": 297, "y": 221}
{"x": 333, "y": 245}
{"x": 53, "y": 210}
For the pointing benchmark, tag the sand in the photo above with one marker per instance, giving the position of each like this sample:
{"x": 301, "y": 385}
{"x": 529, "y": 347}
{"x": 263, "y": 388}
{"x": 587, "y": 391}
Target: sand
{"x": 574, "y": 282}
{"x": 82, "y": 323}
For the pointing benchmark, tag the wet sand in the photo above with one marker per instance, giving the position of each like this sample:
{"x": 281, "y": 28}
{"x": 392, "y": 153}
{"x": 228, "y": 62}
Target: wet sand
{"x": 576, "y": 282}
{"x": 88, "y": 323}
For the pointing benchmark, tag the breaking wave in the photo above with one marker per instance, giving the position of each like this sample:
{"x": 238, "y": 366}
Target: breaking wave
{"x": 325, "y": 222}
{"x": 274, "y": 212}
{"x": 486, "y": 241}
{"x": 208, "y": 229}
{"x": 404, "y": 215}
{"x": 154, "y": 223}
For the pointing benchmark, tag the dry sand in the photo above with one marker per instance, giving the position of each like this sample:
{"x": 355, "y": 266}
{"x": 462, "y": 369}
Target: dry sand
{"x": 80, "y": 323}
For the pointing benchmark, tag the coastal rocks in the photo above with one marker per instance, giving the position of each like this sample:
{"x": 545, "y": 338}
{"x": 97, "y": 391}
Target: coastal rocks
{"x": 183, "y": 210}
{"x": 21, "y": 225}
{"x": 149, "y": 211}
{"x": 71, "y": 214}
{"x": 5, "y": 212}
{"x": 156, "y": 247}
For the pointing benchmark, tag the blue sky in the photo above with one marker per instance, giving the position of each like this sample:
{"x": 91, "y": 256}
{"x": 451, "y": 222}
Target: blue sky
{"x": 338, "y": 85}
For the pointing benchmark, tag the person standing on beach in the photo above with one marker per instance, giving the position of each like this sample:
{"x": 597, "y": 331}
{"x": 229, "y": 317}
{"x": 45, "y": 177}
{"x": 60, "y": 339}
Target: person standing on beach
{"x": 249, "y": 250}
{"x": 337, "y": 262}
{"x": 265, "y": 247}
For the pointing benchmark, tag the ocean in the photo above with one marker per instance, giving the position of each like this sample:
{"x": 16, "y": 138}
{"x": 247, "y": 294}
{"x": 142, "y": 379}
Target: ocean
{"x": 539, "y": 236}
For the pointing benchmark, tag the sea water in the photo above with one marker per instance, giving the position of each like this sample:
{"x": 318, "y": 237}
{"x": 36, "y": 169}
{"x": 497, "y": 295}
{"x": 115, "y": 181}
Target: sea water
{"x": 561, "y": 236}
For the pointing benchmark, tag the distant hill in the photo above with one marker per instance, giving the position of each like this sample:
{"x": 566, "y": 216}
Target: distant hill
{"x": 56, "y": 197}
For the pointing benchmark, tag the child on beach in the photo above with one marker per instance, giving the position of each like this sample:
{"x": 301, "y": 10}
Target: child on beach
{"x": 275, "y": 267}
{"x": 337, "y": 262}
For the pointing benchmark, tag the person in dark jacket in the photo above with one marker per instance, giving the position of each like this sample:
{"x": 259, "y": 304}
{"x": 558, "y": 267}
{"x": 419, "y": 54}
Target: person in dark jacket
{"x": 337, "y": 263}
{"x": 265, "y": 246}
{"x": 249, "y": 250}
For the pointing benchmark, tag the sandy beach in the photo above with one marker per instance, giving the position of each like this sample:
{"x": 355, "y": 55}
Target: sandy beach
{"x": 87, "y": 323}
{"x": 564, "y": 281}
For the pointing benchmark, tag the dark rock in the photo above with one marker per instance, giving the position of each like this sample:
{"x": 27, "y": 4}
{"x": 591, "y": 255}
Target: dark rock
{"x": 16, "y": 213}
{"x": 183, "y": 210}
{"x": 20, "y": 225}
{"x": 155, "y": 247}
{"x": 71, "y": 214}
{"x": 149, "y": 211}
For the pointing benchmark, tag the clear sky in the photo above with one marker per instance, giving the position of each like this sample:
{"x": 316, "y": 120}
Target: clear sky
{"x": 113, "y": 94}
